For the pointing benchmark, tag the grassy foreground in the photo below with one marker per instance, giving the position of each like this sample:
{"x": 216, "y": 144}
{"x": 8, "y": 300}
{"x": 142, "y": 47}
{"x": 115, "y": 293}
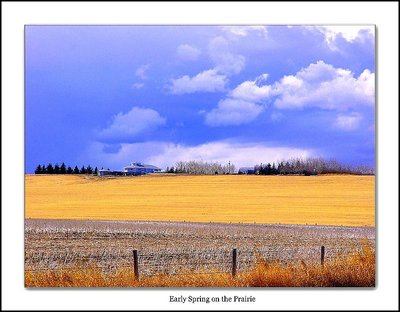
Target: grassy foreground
{"x": 356, "y": 270}
{"x": 324, "y": 200}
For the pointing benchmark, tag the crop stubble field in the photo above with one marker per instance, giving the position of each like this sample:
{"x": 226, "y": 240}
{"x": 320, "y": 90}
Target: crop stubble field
{"x": 84, "y": 242}
{"x": 324, "y": 200}
{"x": 112, "y": 242}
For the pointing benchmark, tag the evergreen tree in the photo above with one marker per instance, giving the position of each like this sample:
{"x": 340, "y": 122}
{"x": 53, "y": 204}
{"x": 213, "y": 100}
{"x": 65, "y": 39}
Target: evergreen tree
{"x": 262, "y": 169}
{"x": 44, "y": 170}
{"x": 269, "y": 169}
{"x": 273, "y": 169}
{"x": 83, "y": 170}
{"x": 49, "y": 169}
{"x": 89, "y": 169}
{"x": 281, "y": 167}
{"x": 69, "y": 170}
{"x": 95, "y": 171}
{"x": 38, "y": 169}
{"x": 76, "y": 170}
{"x": 63, "y": 169}
{"x": 56, "y": 169}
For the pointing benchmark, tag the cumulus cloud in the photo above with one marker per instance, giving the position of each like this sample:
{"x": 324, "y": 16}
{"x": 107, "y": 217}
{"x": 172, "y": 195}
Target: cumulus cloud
{"x": 187, "y": 52}
{"x": 206, "y": 81}
{"x": 348, "y": 122}
{"x": 136, "y": 122}
{"x": 319, "y": 85}
{"x": 350, "y": 33}
{"x": 252, "y": 90}
{"x": 324, "y": 86}
{"x": 243, "y": 31}
{"x": 164, "y": 154}
{"x": 241, "y": 106}
{"x": 233, "y": 111}
{"x": 225, "y": 61}
{"x": 141, "y": 72}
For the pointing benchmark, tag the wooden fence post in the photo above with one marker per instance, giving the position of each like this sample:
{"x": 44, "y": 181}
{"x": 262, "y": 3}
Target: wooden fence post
{"x": 322, "y": 255}
{"x": 66, "y": 258}
{"x": 234, "y": 262}
{"x": 135, "y": 264}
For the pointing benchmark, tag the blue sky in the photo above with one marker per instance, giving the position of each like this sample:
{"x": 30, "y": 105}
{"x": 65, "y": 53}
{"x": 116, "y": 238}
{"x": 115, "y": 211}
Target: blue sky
{"x": 109, "y": 95}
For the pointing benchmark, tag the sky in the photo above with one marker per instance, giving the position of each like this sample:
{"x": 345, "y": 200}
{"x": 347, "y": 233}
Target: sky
{"x": 108, "y": 95}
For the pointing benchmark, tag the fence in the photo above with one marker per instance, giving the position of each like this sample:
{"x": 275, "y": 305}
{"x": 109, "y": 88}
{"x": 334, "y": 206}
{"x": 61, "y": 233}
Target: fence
{"x": 179, "y": 263}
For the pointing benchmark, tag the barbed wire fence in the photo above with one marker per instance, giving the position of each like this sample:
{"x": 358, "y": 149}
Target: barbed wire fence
{"x": 144, "y": 263}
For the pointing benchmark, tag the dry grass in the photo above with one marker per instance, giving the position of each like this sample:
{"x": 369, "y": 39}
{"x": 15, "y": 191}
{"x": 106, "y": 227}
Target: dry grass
{"x": 162, "y": 246}
{"x": 356, "y": 270}
{"x": 323, "y": 200}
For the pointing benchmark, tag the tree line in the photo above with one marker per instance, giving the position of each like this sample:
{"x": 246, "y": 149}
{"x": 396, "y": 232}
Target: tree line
{"x": 201, "y": 167}
{"x": 311, "y": 166}
{"x": 294, "y": 166}
{"x": 63, "y": 169}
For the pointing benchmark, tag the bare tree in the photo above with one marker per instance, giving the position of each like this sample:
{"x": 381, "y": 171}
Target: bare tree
{"x": 201, "y": 167}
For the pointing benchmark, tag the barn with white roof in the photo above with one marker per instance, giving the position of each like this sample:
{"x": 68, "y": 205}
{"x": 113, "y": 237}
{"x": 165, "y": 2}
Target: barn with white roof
{"x": 137, "y": 168}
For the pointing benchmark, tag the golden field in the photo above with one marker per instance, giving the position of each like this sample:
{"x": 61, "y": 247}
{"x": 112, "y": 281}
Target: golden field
{"x": 346, "y": 200}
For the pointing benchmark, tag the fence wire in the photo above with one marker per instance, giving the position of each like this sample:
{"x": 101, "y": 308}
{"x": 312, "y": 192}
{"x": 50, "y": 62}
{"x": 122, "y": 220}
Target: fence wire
{"x": 178, "y": 263}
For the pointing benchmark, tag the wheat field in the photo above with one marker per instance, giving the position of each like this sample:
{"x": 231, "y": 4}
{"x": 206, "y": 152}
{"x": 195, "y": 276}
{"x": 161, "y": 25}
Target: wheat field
{"x": 324, "y": 200}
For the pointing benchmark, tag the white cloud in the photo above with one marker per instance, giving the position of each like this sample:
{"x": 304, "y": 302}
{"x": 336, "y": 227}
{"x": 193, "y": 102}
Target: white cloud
{"x": 163, "y": 154}
{"x": 187, "y": 52}
{"x": 206, "y": 81}
{"x": 241, "y": 105}
{"x": 225, "y": 61}
{"x": 243, "y": 31}
{"x": 135, "y": 122}
{"x": 348, "y": 122}
{"x": 349, "y": 32}
{"x": 138, "y": 85}
{"x": 252, "y": 90}
{"x": 319, "y": 85}
{"x": 141, "y": 71}
{"x": 233, "y": 111}
{"x": 324, "y": 86}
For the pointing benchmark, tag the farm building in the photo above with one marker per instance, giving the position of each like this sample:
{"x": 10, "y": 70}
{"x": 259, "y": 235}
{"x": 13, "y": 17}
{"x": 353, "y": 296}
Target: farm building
{"x": 108, "y": 172}
{"x": 104, "y": 172}
{"x": 137, "y": 168}
{"x": 247, "y": 170}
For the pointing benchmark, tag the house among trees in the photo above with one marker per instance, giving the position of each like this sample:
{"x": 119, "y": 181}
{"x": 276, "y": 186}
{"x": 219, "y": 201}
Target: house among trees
{"x": 137, "y": 168}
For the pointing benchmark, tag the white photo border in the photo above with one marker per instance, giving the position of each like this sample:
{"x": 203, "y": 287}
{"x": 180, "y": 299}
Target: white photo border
{"x": 17, "y": 14}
